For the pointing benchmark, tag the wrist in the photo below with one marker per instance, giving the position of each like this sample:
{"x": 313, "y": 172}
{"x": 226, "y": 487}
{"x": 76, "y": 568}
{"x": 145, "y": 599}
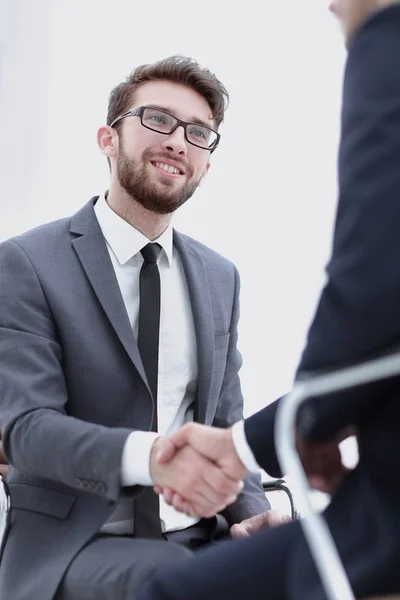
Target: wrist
{"x": 154, "y": 465}
{"x": 231, "y": 450}
{"x": 228, "y": 440}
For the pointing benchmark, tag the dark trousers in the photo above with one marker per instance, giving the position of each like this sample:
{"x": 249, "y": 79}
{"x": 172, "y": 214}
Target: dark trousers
{"x": 114, "y": 567}
{"x": 276, "y": 564}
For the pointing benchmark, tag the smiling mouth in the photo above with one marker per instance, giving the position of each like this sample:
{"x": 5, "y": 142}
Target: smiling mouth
{"x": 168, "y": 170}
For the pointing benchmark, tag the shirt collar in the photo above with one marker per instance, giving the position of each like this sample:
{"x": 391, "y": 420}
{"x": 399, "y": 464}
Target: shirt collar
{"x": 124, "y": 240}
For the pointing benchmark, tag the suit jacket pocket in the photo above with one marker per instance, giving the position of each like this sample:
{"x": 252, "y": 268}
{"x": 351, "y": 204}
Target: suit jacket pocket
{"x": 25, "y": 496}
{"x": 221, "y": 341}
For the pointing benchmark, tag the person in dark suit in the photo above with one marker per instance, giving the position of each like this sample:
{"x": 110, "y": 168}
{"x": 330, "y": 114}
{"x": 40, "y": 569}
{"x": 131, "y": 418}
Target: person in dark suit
{"x": 357, "y": 318}
{"x": 116, "y": 329}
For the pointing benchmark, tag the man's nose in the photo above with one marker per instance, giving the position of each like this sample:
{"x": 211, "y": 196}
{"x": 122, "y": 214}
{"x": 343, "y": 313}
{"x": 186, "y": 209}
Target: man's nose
{"x": 176, "y": 141}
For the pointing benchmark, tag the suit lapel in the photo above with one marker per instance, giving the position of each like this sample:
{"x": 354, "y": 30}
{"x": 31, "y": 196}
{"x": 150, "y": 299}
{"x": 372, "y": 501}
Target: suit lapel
{"x": 92, "y": 252}
{"x": 200, "y": 299}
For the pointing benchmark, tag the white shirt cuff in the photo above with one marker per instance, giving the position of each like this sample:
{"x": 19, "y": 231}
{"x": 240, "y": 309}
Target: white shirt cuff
{"x": 135, "y": 467}
{"x": 242, "y": 447}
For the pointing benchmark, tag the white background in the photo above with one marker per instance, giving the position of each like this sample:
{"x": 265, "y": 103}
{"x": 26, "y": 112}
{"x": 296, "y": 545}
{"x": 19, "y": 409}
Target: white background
{"x": 269, "y": 200}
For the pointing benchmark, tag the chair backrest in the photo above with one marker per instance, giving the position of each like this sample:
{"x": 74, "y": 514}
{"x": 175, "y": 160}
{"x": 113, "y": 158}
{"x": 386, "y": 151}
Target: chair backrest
{"x": 5, "y": 513}
{"x": 322, "y": 546}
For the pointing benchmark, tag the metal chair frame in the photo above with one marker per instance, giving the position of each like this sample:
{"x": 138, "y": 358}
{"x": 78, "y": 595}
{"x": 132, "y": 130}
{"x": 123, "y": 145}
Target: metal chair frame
{"x": 322, "y": 546}
{"x": 278, "y": 485}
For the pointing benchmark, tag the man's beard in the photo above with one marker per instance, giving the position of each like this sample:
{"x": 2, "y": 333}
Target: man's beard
{"x": 159, "y": 197}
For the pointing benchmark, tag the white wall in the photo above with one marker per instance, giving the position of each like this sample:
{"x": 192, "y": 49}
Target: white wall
{"x": 269, "y": 200}
{"x": 24, "y": 99}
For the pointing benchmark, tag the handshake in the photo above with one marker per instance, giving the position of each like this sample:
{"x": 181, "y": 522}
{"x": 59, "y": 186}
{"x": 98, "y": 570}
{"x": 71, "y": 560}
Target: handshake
{"x": 197, "y": 469}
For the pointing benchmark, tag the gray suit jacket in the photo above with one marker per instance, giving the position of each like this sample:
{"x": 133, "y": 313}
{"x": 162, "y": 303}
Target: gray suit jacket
{"x": 73, "y": 387}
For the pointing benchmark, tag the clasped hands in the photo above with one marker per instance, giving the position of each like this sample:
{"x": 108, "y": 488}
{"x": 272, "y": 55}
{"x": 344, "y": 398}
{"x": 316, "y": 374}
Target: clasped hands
{"x": 198, "y": 471}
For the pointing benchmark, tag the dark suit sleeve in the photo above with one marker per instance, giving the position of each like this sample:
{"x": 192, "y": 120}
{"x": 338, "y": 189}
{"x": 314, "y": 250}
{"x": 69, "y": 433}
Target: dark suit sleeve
{"x": 252, "y": 500}
{"x": 358, "y": 314}
{"x": 38, "y": 436}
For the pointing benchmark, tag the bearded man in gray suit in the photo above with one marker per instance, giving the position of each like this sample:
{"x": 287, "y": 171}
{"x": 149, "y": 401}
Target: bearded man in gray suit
{"x": 116, "y": 330}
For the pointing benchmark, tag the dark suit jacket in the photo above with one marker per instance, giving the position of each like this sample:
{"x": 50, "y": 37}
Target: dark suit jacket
{"x": 358, "y": 315}
{"x": 73, "y": 387}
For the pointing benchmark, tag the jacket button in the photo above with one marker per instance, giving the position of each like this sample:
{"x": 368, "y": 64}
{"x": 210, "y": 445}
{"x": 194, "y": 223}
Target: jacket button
{"x": 101, "y": 488}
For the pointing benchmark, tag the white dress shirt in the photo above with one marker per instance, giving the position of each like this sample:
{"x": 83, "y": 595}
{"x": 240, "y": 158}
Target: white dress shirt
{"x": 177, "y": 371}
{"x": 243, "y": 449}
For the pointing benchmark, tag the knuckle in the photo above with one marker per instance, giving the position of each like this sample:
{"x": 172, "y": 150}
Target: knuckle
{"x": 185, "y": 490}
{"x": 199, "y": 511}
{"x": 192, "y": 480}
{"x": 187, "y": 427}
{"x": 201, "y": 475}
{"x": 221, "y": 486}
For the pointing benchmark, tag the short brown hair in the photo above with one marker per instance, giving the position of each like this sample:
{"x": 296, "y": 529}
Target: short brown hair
{"x": 180, "y": 69}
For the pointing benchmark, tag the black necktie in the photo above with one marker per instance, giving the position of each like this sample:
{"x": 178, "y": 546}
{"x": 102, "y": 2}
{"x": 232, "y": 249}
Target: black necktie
{"x": 146, "y": 507}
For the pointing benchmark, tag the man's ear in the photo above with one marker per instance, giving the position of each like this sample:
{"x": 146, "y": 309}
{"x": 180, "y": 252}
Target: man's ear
{"x": 107, "y": 141}
{"x": 206, "y": 168}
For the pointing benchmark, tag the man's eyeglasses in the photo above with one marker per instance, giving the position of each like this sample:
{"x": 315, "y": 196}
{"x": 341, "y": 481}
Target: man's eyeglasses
{"x": 163, "y": 122}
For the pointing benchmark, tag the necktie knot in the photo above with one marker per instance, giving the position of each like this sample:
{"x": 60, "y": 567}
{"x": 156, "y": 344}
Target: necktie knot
{"x": 151, "y": 252}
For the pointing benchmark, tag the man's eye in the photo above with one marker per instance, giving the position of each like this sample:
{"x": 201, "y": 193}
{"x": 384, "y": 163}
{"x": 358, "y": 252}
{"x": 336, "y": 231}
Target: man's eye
{"x": 157, "y": 118}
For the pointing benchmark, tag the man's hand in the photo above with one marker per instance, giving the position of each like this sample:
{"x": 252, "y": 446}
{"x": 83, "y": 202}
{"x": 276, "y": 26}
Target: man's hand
{"x": 213, "y": 443}
{"x": 322, "y": 462}
{"x": 3, "y": 461}
{"x": 205, "y": 487}
{"x": 269, "y": 518}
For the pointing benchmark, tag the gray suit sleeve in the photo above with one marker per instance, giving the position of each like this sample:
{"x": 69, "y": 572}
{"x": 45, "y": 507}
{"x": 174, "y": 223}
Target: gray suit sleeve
{"x": 252, "y": 500}
{"x": 39, "y": 437}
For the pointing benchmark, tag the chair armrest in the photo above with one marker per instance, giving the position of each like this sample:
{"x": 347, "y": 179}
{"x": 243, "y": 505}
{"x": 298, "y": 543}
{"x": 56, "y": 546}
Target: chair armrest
{"x": 280, "y": 485}
{"x": 316, "y": 530}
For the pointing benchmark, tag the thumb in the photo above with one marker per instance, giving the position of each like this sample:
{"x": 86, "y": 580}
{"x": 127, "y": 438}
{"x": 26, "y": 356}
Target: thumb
{"x": 239, "y": 530}
{"x": 166, "y": 451}
{"x": 169, "y": 445}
